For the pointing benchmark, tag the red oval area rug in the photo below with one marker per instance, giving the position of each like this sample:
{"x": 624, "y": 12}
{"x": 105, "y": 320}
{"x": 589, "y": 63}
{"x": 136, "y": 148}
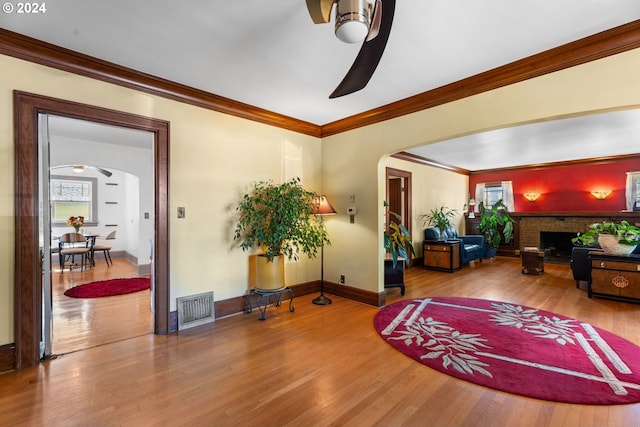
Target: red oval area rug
{"x": 106, "y": 288}
{"x": 514, "y": 348}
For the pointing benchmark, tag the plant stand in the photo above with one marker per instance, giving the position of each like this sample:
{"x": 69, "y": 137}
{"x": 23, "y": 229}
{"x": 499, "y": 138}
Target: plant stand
{"x": 394, "y": 277}
{"x": 264, "y": 297}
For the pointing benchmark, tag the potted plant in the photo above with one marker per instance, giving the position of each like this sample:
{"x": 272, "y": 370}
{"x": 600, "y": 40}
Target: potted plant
{"x": 398, "y": 245}
{"x": 280, "y": 220}
{"x": 440, "y": 218}
{"x": 619, "y": 239}
{"x": 495, "y": 225}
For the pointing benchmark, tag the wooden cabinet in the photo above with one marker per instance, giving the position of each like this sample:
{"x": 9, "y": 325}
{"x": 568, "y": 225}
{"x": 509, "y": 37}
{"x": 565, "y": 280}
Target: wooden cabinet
{"x": 615, "y": 276}
{"x": 442, "y": 255}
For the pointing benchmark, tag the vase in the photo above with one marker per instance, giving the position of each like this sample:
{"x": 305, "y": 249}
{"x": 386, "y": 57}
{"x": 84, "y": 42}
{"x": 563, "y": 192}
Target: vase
{"x": 77, "y": 228}
{"x": 609, "y": 243}
{"x": 269, "y": 274}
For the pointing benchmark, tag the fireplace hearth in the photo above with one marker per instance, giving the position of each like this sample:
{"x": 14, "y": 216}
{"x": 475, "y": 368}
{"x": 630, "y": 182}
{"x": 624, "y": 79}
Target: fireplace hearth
{"x": 556, "y": 245}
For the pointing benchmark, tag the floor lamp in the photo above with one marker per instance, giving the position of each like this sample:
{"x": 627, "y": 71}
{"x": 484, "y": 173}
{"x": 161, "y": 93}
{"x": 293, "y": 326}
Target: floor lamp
{"x": 324, "y": 208}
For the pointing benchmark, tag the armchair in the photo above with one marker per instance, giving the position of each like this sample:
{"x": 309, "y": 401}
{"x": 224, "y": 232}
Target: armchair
{"x": 471, "y": 246}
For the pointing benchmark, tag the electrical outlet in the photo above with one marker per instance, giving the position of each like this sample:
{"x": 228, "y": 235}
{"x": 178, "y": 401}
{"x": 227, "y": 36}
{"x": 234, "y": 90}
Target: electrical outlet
{"x": 342, "y": 279}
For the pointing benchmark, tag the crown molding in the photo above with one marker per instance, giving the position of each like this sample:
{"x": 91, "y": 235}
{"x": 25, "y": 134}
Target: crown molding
{"x": 606, "y": 43}
{"x": 50, "y": 55}
{"x": 414, "y": 158}
{"x": 610, "y": 42}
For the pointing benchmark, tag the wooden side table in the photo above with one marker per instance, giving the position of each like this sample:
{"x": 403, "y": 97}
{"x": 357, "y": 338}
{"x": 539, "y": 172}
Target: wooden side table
{"x": 532, "y": 261}
{"x": 442, "y": 255}
{"x": 615, "y": 276}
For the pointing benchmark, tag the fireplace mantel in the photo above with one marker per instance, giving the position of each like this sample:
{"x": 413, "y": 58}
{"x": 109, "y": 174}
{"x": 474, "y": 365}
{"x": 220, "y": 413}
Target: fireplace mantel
{"x": 528, "y": 225}
{"x": 579, "y": 214}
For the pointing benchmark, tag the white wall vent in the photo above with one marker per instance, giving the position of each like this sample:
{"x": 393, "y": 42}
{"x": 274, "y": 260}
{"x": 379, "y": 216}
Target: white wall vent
{"x": 195, "y": 310}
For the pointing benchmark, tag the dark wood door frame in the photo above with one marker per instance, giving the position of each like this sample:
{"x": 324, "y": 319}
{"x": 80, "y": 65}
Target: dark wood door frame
{"x": 28, "y": 281}
{"x": 391, "y": 172}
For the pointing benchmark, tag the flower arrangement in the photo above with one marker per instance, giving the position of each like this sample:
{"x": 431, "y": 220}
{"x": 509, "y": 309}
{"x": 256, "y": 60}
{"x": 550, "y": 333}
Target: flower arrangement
{"x": 76, "y": 222}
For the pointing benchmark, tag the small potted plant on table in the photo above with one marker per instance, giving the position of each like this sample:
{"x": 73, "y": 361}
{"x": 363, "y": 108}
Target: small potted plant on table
{"x": 398, "y": 245}
{"x": 618, "y": 239}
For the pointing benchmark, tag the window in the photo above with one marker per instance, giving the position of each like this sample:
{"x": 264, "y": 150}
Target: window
{"x": 73, "y": 196}
{"x": 489, "y": 193}
{"x": 632, "y": 192}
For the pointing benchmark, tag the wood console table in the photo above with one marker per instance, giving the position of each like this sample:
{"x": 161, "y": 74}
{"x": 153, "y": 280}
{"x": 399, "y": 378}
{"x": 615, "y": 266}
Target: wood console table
{"x": 615, "y": 276}
{"x": 442, "y": 255}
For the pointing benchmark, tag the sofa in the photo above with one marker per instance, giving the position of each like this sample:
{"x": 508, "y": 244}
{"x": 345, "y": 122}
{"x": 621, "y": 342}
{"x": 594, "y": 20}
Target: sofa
{"x": 471, "y": 246}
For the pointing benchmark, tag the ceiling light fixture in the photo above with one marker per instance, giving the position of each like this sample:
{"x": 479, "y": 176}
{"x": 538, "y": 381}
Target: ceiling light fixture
{"x": 352, "y": 20}
{"x": 78, "y": 169}
{"x": 601, "y": 194}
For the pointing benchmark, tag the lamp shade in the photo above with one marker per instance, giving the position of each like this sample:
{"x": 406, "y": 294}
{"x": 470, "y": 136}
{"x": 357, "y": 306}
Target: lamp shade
{"x": 323, "y": 206}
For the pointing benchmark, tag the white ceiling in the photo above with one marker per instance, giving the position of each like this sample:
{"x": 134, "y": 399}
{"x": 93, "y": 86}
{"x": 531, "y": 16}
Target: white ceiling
{"x": 269, "y": 54}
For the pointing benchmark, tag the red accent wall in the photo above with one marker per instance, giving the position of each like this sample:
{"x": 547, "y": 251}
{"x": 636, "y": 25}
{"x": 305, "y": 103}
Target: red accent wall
{"x": 566, "y": 188}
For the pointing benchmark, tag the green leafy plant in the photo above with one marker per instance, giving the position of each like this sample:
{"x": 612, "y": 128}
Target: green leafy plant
{"x": 281, "y": 220}
{"x": 397, "y": 240}
{"x": 627, "y": 234}
{"x": 495, "y": 223}
{"x": 440, "y": 218}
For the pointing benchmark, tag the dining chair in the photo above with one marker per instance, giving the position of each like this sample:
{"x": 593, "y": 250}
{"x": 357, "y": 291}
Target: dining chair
{"x": 105, "y": 248}
{"x": 70, "y": 245}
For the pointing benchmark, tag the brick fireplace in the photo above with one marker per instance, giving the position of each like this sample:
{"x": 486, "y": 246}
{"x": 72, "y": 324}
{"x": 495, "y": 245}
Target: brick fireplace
{"x": 557, "y": 227}
{"x": 530, "y": 225}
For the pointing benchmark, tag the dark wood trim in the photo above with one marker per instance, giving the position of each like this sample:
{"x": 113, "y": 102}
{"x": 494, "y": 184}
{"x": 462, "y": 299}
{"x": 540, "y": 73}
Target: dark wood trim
{"x": 28, "y": 282}
{"x": 579, "y": 214}
{"x": 7, "y": 357}
{"x": 610, "y": 42}
{"x": 237, "y": 305}
{"x": 414, "y": 158}
{"x": 355, "y": 294}
{"x": 606, "y": 43}
{"x": 50, "y": 55}
{"x": 541, "y": 166}
{"x": 408, "y": 195}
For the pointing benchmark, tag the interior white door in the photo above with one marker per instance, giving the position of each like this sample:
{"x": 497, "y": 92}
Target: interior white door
{"x": 45, "y": 232}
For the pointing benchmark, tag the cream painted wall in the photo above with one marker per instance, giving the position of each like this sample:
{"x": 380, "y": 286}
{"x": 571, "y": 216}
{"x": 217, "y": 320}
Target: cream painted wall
{"x": 431, "y": 188}
{"x": 213, "y": 159}
{"x": 609, "y": 83}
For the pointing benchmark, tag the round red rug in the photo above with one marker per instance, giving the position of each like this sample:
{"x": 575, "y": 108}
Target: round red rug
{"x": 514, "y": 348}
{"x": 106, "y": 288}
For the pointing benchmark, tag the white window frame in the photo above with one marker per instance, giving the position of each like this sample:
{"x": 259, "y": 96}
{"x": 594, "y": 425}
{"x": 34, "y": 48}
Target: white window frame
{"x": 86, "y": 191}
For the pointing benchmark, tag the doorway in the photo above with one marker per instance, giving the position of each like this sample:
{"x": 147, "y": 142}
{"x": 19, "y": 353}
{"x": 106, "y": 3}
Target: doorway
{"x": 398, "y": 197}
{"x": 105, "y": 174}
{"x": 28, "y": 280}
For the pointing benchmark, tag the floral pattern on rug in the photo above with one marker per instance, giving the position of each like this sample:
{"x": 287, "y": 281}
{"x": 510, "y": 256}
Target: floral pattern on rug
{"x": 515, "y": 348}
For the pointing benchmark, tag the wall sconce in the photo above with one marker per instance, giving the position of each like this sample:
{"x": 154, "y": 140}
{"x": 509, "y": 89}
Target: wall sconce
{"x": 601, "y": 194}
{"x": 532, "y": 197}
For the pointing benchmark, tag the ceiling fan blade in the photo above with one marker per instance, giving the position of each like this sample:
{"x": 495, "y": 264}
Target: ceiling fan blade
{"x": 369, "y": 56}
{"x": 102, "y": 171}
{"x": 320, "y": 10}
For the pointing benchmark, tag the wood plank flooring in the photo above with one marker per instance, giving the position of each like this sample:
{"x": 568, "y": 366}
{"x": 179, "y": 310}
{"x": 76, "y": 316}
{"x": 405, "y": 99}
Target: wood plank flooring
{"x": 318, "y": 366}
{"x": 81, "y": 323}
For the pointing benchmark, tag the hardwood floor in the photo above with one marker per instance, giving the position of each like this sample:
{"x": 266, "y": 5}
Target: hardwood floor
{"x": 81, "y": 323}
{"x": 317, "y": 366}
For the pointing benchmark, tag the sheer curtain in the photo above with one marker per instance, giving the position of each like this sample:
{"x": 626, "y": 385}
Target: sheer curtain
{"x": 507, "y": 195}
{"x": 507, "y": 191}
{"x": 632, "y": 192}
{"x": 479, "y": 196}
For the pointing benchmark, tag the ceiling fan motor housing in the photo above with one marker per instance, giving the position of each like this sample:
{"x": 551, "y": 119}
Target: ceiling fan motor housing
{"x": 353, "y": 18}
